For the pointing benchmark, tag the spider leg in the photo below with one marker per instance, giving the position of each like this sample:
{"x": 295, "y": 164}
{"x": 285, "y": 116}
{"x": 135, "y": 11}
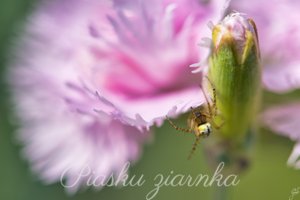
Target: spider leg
{"x": 186, "y": 130}
{"x": 216, "y": 126}
{"x": 214, "y": 107}
{"x": 214, "y": 99}
{"x": 194, "y": 147}
{"x": 193, "y": 111}
{"x": 207, "y": 101}
{"x": 223, "y": 120}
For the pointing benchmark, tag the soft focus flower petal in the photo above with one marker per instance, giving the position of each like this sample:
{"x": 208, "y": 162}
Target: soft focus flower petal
{"x": 156, "y": 59}
{"x": 279, "y": 33}
{"x": 92, "y": 75}
{"x": 284, "y": 120}
{"x": 58, "y": 137}
{"x": 295, "y": 156}
{"x": 282, "y": 78}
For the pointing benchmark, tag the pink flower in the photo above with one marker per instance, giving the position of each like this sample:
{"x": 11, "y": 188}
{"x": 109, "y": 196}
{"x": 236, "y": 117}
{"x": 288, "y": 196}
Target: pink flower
{"x": 92, "y": 76}
{"x": 279, "y": 33}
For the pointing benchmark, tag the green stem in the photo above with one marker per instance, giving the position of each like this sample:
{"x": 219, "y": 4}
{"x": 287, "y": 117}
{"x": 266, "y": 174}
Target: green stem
{"x": 220, "y": 193}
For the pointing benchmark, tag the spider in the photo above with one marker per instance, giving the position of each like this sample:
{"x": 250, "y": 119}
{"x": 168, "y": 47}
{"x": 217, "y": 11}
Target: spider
{"x": 201, "y": 119}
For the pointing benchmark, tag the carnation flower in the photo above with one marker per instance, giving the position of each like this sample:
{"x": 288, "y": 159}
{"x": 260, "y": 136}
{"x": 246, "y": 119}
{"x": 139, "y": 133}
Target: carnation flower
{"x": 92, "y": 76}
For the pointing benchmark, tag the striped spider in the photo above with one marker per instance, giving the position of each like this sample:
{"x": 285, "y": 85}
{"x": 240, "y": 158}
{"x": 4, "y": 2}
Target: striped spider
{"x": 201, "y": 119}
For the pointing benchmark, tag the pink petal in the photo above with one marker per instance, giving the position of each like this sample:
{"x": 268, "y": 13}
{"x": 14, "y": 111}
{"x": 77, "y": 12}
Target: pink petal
{"x": 57, "y": 140}
{"x": 295, "y": 156}
{"x": 284, "y": 120}
{"x": 280, "y": 78}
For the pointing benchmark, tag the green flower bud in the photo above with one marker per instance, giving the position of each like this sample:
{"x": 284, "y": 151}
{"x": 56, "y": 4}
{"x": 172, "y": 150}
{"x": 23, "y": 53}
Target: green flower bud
{"x": 235, "y": 73}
